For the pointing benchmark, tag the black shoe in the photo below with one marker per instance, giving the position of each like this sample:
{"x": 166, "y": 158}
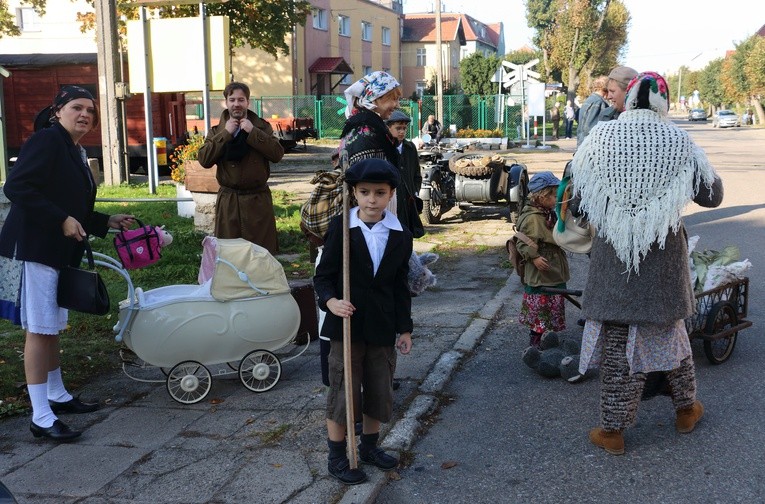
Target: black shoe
{"x": 341, "y": 469}
{"x": 59, "y": 431}
{"x": 73, "y": 405}
{"x": 396, "y": 385}
{"x": 377, "y": 457}
{"x": 358, "y": 428}
{"x": 581, "y": 322}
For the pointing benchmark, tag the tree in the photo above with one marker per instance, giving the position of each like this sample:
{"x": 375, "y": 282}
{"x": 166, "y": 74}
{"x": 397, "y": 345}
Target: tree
{"x": 476, "y": 72}
{"x": 522, "y": 56}
{"x": 263, "y": 24}
{"x": 8, "y": 20}
{"x": 754, "y": 70}
{"x": 578, "y": 37}
{"x": 710, "y": 88}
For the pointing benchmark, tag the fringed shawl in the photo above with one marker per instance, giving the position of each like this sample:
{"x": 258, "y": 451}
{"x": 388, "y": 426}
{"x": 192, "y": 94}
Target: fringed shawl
{"x": 635, "y": 175}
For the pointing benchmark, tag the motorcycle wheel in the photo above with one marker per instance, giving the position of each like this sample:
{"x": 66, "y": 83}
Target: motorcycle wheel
{"x": 515, "y": 208}
{"x": 432, "y": 211}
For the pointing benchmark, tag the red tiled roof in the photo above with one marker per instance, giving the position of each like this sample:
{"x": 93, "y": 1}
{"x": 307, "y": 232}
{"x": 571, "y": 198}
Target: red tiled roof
{"x": 330, "y": 66}
{"x": 761, "y": 31}
{"x": 422, "y": 27}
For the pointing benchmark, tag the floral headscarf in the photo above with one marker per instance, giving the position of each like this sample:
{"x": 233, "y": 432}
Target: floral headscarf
{"x": 367, "y": 89}
{"x": 658, "y": 93}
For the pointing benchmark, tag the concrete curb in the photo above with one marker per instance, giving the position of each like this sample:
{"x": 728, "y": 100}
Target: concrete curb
{"x": 403, "y": 433}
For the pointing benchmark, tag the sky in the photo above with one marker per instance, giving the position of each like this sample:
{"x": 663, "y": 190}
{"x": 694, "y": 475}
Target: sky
{"x": 663, "y": 34}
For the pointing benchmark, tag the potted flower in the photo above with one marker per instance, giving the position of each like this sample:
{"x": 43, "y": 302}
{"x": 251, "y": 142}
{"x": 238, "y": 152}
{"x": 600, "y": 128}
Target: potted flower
{"x": 180, "y": 162}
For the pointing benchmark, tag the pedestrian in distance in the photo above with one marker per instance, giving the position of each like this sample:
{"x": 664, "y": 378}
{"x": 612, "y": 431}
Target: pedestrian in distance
{"x": 242, "y": 146}
{"x": 569, "y": 115}
{"x": 52, "y": 194}
{"x": 379, "y": 309}
{"x": 546, "y": 263}
{"x": 634, "y": 176}
{"x": 591, "y": 109}
{"x": 433, "y": 128}
{"x": 555, "y": 119}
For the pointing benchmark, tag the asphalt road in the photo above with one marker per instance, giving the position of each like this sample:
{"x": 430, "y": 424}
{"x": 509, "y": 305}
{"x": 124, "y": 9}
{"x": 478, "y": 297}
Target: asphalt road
{"x": 504, "y": 434}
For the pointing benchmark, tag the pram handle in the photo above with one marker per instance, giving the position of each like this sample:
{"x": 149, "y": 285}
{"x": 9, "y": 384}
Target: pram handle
{"x": 113, "y": 264}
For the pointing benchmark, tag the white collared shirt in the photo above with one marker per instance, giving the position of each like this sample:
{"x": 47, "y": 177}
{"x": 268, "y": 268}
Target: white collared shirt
{"x": 376, "y": 236}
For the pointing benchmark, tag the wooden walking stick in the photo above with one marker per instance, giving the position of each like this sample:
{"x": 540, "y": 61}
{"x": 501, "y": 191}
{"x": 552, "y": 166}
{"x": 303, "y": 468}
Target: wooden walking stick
{"x": 350, "y": 421}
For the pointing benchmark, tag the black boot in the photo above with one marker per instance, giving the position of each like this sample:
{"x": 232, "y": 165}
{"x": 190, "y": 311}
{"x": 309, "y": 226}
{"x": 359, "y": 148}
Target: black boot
{"x": 534, "y": 339}
{"x": 339, "y": 466}
{"x": 370, "y": 453}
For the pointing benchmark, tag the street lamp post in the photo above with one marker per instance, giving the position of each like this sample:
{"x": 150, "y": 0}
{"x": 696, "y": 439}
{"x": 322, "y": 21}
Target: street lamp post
{"x": 680, "y": 79}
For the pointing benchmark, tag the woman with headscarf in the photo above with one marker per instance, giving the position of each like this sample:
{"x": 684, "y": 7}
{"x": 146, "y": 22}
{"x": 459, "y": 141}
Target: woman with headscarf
{"x": 52, "y": 194}
{"x": 635, "y": 175}
{"x": 370, "y": 101}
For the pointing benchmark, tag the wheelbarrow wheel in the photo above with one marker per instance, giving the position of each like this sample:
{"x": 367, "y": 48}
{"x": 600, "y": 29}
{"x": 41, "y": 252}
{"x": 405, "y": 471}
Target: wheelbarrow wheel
{"x": 259, "y": 370}
{"x": 189, "y": 382}
{"x": 722, "y": 316}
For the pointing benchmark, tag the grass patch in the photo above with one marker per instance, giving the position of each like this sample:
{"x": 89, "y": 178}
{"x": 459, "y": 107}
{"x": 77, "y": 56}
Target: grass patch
{"x": 88, "y": 346}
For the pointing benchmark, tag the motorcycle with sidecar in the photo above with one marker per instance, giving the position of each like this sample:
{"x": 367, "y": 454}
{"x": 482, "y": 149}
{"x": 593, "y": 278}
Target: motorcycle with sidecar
{"x": 453, "y": 175}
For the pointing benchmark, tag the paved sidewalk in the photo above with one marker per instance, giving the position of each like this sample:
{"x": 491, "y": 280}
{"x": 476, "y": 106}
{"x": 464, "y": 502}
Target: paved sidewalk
{"x": 238, "y": 446}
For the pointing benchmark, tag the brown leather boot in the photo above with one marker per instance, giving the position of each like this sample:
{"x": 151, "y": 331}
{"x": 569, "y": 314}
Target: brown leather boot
{"x": 611, "y": 441}
{"x": 687, "y": 418}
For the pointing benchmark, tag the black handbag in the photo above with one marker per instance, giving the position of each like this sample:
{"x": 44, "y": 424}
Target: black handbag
{"x": 81, "y": 289}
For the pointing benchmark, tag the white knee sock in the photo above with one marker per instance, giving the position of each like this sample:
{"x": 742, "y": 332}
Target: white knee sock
{"x": 56, "y": 390}
{"x": 41, "y": 412}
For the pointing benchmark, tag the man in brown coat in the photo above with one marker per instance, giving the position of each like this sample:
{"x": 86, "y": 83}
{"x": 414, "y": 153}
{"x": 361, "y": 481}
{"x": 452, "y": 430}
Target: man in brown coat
{"x": 241, "y": 145}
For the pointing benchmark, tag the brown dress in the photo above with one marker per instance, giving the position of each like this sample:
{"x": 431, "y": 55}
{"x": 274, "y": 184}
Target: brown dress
{"x": 244, "y": 208}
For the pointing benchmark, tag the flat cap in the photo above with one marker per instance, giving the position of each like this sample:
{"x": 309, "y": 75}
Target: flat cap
{"x": 372, "y": 170}
{"x": 541, "y": 180}
{"x": 398, "y": 116}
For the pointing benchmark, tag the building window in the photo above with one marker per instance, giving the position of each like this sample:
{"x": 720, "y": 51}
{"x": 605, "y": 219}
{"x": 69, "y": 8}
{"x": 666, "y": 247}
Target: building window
{"x": 345, "y": 26}
{"x": 346, "y": 80}
{"x": 320, "y": 19}
{"x": 386, "y": 36}
{"x": 420, "y": 87}
{"x": 27, "y": 19}
{"x": 421, "y": 57}
{"x": 465, "y": 53}
{"x": 366, "y": 69}
{"x": 366, "y": 31}
{"x": 455, "y": 58}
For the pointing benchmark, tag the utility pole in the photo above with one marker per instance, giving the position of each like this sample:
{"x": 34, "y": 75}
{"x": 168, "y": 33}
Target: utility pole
{"x": 439, "y": 68}
{"x": 112, "y": 140}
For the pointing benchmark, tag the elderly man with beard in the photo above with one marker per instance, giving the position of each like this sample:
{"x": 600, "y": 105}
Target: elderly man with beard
{"x": 242, "y": 145}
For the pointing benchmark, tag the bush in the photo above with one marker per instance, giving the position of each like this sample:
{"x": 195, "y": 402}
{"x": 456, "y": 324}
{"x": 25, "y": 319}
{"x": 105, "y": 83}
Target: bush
{"x": 479, "y": 133}
{"x": 183, "y": 153}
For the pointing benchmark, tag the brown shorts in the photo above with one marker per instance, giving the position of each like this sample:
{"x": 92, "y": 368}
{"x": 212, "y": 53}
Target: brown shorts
{"x": 373, "y": 368}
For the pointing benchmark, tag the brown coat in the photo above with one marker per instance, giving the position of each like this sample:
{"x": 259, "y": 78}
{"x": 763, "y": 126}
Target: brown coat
{"x": 244, "y": 208}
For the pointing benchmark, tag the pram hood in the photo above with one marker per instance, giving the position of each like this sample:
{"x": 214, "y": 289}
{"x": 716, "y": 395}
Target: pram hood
{"x": 242, "y": 269}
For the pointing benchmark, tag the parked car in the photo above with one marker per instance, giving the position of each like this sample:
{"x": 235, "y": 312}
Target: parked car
{"x": 697, "y": 114}
{"x": 725, "y": 119}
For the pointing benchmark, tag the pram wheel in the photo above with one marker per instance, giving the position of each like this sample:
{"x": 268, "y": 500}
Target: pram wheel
{"x": 189, "y": 382}
{"x": 259, "y": 370}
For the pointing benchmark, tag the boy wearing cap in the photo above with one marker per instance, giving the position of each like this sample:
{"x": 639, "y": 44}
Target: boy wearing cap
{"x": 546, "y": 263}
{"x": 379, "y": 310}
{"x": 411, "y": 178}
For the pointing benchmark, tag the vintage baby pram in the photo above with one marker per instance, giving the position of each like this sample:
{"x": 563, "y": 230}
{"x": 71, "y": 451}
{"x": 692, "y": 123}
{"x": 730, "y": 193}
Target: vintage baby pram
{"x": 239, "y": 315}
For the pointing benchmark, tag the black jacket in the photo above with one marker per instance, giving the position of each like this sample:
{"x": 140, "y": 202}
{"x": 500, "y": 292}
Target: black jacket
{"x": 383, "y": 302}
{"x": 49, "y": 182}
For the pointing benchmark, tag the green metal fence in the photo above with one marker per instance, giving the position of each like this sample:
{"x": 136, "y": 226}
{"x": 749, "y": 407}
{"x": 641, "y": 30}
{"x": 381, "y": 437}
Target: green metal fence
{"x": 460, "y": 111}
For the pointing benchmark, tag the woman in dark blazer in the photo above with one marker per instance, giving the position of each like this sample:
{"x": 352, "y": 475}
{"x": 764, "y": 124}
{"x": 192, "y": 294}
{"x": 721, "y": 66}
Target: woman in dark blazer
{"x": 52, "y": 194}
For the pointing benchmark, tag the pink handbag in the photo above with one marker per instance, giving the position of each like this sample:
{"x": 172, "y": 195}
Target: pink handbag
{"x": 138, "y": 248}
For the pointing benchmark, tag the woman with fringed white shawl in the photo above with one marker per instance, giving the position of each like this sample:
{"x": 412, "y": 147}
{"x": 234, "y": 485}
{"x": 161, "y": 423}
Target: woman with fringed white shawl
{"x": 635, "y": 176}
